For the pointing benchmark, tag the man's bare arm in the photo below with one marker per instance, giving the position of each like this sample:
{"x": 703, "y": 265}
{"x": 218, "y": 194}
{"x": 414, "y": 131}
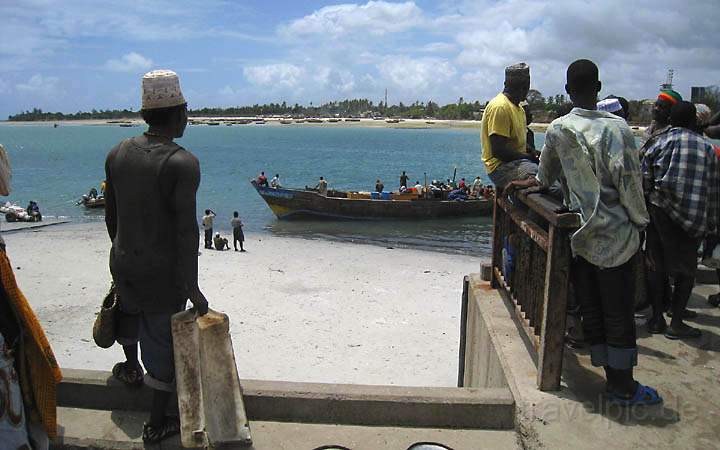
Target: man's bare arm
{"x": 184, "y": 168}
{"x": 713, "y": 132}
{"x": 110, "y": 205}
{"x": 501, "y": 149}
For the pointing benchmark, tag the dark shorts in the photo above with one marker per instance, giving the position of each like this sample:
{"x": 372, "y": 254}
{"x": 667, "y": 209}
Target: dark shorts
{"x": 153, "y": 331}
{"x": 238, "y": 235}
{"x": 669, "y": 248}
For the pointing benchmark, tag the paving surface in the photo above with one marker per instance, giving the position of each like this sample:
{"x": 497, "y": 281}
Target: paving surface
{"x": 578, "y": 416}
{"x": 122, "y": 430}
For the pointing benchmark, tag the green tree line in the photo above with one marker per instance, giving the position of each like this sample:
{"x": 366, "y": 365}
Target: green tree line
{"x": 460, "y": 110}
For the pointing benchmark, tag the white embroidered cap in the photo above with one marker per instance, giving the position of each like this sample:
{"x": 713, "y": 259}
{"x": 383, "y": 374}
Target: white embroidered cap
{"x": 610, "y": 105}
{"x": 161, "y": 89}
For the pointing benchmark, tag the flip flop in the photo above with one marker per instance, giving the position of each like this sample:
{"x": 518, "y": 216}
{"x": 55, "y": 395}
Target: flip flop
{"x": 153, "y": 434}
{"x": 644, "y": 396}
{"x": 131, "y": 377}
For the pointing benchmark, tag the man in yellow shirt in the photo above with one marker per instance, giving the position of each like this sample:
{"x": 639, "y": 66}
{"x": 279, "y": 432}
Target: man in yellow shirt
{"x": 504, "y": 131}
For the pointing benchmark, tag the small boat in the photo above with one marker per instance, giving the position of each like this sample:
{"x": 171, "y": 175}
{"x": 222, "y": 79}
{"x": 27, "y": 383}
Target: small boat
{"x": 92, "y": 202}
{"x": 352, "y": 119}
{"x": 339, "y": 205}
{"x": 430, "y": 122}
{"x": 126, "y": 125}
{"x": 392, "y": 121}
{"x": 16, "y": 213}
{"x": 286, "y": 122}
{"x": 213, "y": 124}
{"x": 333, "y": 120}
{"x": 314, "y": 121}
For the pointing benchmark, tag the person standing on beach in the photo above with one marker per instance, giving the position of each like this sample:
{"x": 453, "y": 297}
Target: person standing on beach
{"x": 504, "y": 131}
{"x": 403, "y": 180}
{"x": 237, "y": 227}
{"x": 379, "y": 186}
{"x": 150, "y": 218}
{"x": 207, "y": 222}
{"x": 594, "y": 154}
{"x": 681, "y": 180}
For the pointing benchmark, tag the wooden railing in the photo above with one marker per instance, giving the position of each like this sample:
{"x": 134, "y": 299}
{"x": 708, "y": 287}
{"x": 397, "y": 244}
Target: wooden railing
{"x": 531, "y": 229}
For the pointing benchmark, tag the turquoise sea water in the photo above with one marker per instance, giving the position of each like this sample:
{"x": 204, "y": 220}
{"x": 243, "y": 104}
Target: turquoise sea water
{"x": 55, "y": 166}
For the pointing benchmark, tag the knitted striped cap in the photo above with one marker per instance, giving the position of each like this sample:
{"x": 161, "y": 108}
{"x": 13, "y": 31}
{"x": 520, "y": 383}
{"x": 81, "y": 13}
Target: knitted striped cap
{"x": 670, "y": 95}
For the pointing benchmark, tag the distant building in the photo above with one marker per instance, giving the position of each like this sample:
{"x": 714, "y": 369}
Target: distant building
{"x": 697, "y": 94}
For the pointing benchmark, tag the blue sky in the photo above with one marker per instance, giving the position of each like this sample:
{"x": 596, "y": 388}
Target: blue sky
{"x": 78, "y": 55}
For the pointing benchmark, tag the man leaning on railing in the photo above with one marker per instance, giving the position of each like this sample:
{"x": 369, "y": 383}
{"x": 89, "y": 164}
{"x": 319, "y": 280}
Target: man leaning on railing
{"x": 595, "y": 154}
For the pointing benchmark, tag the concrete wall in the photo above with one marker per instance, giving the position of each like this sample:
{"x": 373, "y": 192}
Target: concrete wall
{"x": 482, "y": 364}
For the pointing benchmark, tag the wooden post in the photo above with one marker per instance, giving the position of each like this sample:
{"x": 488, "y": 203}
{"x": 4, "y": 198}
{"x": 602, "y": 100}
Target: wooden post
{"x": 463, "y": 330}
{"x": 497, "y": 238}
{"x": 552, "y": 334}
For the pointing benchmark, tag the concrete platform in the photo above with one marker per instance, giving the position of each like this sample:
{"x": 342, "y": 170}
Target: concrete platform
{"x": 490, "y": 408}
{"x": 93, "y": 429}
{"x": 685, "y": 373}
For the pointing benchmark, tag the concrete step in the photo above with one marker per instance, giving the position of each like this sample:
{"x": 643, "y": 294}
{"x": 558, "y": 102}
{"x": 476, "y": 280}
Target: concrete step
{"x": 425, "y": 407}
{"x": 121, "y": 430}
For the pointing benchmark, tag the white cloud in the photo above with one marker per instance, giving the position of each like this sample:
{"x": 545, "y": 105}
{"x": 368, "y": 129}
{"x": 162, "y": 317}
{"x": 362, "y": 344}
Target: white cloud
{"x": 416, "y": 74}
{"x": 438, "y": 47}
{"x": 130, "y": 62}
{"x": 282, "y": 75}
{"x": 374, "y": 17}
{"x": 39, "y": 85}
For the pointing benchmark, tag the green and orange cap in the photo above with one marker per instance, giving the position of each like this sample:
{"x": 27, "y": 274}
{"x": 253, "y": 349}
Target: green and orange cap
{"x": 670, "y": 95}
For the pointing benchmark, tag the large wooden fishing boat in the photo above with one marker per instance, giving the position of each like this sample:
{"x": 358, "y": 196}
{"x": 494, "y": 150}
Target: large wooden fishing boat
{"x": 309, "y": 204}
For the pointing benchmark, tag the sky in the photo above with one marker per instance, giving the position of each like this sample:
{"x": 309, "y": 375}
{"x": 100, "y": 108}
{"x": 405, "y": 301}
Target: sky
{"x": 76, "y": 55}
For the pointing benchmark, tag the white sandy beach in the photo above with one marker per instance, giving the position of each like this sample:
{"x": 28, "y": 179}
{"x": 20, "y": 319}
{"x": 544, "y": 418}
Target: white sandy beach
{"x": 300, "y": 310}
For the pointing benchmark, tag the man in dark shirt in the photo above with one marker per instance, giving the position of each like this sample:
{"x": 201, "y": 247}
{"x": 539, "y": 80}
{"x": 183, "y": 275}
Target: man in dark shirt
{"x": 150, "y": 217}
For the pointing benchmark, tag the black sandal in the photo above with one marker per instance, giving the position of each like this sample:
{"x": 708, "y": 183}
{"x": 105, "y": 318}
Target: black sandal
{"x": 152, "y": 434}
{"x": 131, "y": 377}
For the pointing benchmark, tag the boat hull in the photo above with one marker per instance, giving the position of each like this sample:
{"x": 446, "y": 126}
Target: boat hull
{"x": 295, "y": 204}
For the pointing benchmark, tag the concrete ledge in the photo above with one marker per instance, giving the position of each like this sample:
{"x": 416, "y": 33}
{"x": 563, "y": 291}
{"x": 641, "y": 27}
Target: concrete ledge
{"x": 486, "y": 408}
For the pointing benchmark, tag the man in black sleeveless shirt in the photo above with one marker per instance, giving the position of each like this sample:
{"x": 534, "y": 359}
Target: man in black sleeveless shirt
{"x": 151, "y": 219}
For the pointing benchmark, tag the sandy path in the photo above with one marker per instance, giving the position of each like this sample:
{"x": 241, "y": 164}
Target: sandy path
{"x": 300, "y": 310}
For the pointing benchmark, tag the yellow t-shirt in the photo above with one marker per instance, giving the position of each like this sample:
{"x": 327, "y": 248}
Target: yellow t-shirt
{"x": 503, "y": 118}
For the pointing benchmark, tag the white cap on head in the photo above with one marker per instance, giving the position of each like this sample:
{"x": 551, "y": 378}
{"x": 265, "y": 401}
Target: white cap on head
{"x": 610, "y": 105}
{"x": 161, "y": 89}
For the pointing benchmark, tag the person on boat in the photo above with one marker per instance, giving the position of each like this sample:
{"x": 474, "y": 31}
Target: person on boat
{"x": 403, "y": 180}
{"x": 476, "y": 188}
{"x": 238, "y": 235}
{"x": 154, "y": 255}
{"x": 462, "y": 184}
{"x": 379, "y": 186}
{"x": 594, "y": 154}
{"x": 322, "y": 187}
{"x": 220, "y": 242}
{"x": 275, "y": 182}
{"x": 419, "y": 188}
{"x": 103, "y": 186}
{"x": 29, "y": 373}
{"x": 207, "y": 223}
{"x": 92, "y": 193}
{"x": 681, "y": 174}
{"x": 504, "y": 131}
{"x": 262, "y": 180}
